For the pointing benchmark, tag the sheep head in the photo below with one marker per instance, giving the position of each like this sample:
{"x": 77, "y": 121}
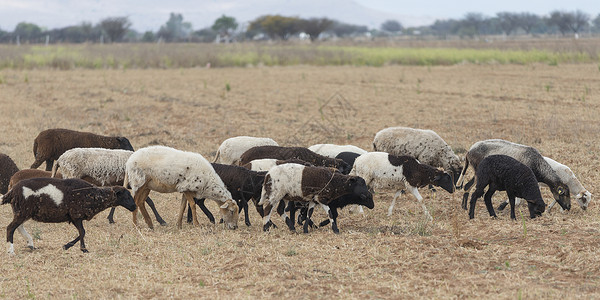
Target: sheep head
{"x": 583, "y": 199}
{"x": 443, "y": 180}
{"x": 360, "y": 192}
{"x": 562, "y": 196}
{"x": 536, "y": 207}
{"x": 123, "y": 198}
{"x": 229, "y": 212}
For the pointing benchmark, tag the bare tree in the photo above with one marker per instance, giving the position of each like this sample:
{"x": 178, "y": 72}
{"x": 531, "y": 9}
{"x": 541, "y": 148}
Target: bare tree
{"x": 527, "y": 21}
{"x": 115, "y": 27}
{"x": 508, "y": 21}
{"x": 568, "y": 21}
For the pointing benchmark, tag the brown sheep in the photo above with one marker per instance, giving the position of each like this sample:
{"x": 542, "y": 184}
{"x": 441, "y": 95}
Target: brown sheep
{"x": 50, "y": 144}
{"x": 7, "y": 169}
{"x": 31, "y": 173}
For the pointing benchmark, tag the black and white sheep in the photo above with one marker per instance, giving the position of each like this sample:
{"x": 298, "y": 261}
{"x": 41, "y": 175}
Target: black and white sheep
{"x": 265, "y": 164}
{"x": 504, "y": 173}
{"x": 424, "y": 145}
{"x": 53, "y": 200}
{"x": 384, "y": 170}
{"x": 99, "y": 166}
{"x": 332, "y": 150}
{"x": 231, "y": 149}
{"x": 243, "y": 184}
{"x": 7, "y": 169}
{"x": 167, "y": 170}
{"x": 582, "y": 195}
{"x": 301, "y": 153}
{"x": 50, "y": 144}
{"x": 527, "y": 155}
{"x": 316, "y": 185}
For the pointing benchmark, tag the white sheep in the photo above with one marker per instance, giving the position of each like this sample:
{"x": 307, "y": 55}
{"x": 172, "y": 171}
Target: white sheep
{"x": 384, "y": 170}
{"x": 232, "y": 148}
{"x": 99, "y": 166}
{"x": 582, "y": 195}
{"x": 167, "y": 170}
{"x": 425, "y": 145}
{"x": 332, "y": 150}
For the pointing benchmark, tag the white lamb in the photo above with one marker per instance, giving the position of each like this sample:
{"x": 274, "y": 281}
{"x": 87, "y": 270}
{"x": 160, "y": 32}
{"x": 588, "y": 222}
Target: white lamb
{"x": 106, "y": 166}
{"x": 232, "y": 148}
{"x": 168, "y": 170}
{"x": 332, "y": 150}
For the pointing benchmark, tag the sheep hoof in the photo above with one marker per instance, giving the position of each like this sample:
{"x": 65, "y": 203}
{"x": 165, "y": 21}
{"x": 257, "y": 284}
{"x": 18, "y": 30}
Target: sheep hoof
{"x": 85, "y": 250}
{"x": 163, "y": 223}
{"x": 111, "y": 221}
{"x": 248, "y": 224}
{"x": 389, "y": 214}
{"x": 31, "y": 248}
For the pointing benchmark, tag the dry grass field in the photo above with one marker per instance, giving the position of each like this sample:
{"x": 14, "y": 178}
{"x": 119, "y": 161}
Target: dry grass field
{"x": 553, "y": 108}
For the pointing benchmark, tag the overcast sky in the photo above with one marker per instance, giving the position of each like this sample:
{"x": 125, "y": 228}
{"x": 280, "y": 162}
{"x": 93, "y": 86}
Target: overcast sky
{"x": 151, "y": 14}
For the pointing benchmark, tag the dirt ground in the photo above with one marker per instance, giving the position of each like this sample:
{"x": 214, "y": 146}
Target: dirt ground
{"x": 553, "y": 108}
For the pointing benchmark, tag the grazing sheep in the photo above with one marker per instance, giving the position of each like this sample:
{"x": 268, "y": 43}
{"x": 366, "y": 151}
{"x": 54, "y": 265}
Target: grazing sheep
{"x": 99, "y": 166}
{"x": 504, "y": 173}
{"x": 30, "y": 173}
{"x": 168, "y": 170}
{"x": 424, "y": 145}
{"x": 284, "y": 153}
{"x": 582, "y": 195}
{"x": 232, "y": 148}
{"x": 332, "y": 150}
{"x": 294, "y": 182}
{"x": 53, "y": 200}
{"x": 265, "y": 164}
{"x": 348, "y": 157}
{"x": 243, "y": 184}
{"x": 7, "y": 169}
{"x": 528, "y": 156}
{"x": 50, "y": 144}
{"x": 384, "y": 170}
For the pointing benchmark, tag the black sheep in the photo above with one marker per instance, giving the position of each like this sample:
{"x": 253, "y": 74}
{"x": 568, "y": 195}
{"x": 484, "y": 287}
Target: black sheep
{"x": 504, "y": 173}
{"x": 7, "y": 169}
{"x": 50, "y": 144}
{"x": 52, "y": 200}
{"x": 284, "y": 153}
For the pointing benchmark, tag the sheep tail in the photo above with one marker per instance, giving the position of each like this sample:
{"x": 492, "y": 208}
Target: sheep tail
{"x": 54, "y": 169}
{"x": 126, "y": 180}
{"x": 5, "y": 198}
{"x": 217, "y": 155}
{"x": 35, "y": 146}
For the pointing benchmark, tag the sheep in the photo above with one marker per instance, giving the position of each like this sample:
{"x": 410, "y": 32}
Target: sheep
{"x": 425, "y": 145}
{"x": 265, "y": 164}
{"x": 167, "y": 170}
{"x": 582, "y": 195}
{"x": 332, "y": 150}
{"x": 504, "y": 173}
{"x": 301, "y": 153}
{"x": 243, "y": 184}
{"x": 7, "y": 169}
{"x": 30, "y": 173}
{"x": 384, "y": 170}
{"x": 50, "y": 144}
{"x": 232, "y": 148}
{"x": 101, "y": 167}
{"x": 316, "y": 185}
{"x": 53, "y": 200}
{"x": 528, "y": 156}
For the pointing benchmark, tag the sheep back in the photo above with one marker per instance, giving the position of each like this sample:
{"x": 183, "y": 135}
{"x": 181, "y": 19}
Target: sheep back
{"x": 285, "y": 153}
{"x": 231, "y": 149}
{"x": 7, "y": 169}
{"x": 105, "y": 166}
{"x": 31, "y": 173}
{"x": 332, "y": 150}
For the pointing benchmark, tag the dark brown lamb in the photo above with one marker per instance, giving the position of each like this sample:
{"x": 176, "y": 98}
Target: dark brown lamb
{"x": 284, "y": 153}
{"x": 7, "y": 169}
{"x": 50, "y": 144}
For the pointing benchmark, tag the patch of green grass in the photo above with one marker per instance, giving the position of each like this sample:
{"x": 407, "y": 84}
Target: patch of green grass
{"x": 291, "y": 252}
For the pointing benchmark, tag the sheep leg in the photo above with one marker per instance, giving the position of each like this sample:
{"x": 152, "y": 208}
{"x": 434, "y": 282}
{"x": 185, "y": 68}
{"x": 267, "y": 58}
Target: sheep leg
{"x": 391, "y": 208}
{"x": 49, "y": 164}
{"x": 311, "y": 208}
{"x": 79, "y": 226}
{"x": 139, "y": 198}
{"x": 478, "y": 193}
{"x": 551, "y": 205}
{"x": 111, "y": 216}
{"x": 511, "y": 200}
{"x": 334, "y": 226}
{"x": 158, "y": 218}
{"x": 502, "y": 206}
{"x": 288, "y": 221}
{"x": 487, "y": 199}
{"x": 468, "y": 186}
{"x": 10, "y": 232}
{"x": 417, "y": 195}
{"x": 201, "y": 204}
{"x": 26, "y": 235}
{"x": 268, "y": 209}
{"x": 190, "y": 200}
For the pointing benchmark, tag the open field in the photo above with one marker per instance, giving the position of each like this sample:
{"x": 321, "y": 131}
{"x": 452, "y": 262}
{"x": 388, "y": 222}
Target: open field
{"x": 553, "y": 108}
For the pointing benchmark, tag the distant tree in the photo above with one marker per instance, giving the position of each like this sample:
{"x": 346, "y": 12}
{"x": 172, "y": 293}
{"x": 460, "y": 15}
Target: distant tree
{"x": 148, "y": 37}
{"x": 315, "y": 26}
{"x": 27, "y": 31}
{"x": 445, "y": 27}
{"x": 276, "y": 26}
{"x": 343, "y": 29}
{"x": 596, "y": 23}
{"x": 224, "y": 25}
{"x": 568, "y": 21}
{"x": 471, "y": 24}
{"x": 391, "y": 26}
{"x": 175, "y": 29}
{"x": 115, "y": 27}
{"x": 508, "y": 21}
{"x": 527, "y": 21}
{"x": 206, "y": 35}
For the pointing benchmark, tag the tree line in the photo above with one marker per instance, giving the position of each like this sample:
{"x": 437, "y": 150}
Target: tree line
{"x": 277, "y": 27}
